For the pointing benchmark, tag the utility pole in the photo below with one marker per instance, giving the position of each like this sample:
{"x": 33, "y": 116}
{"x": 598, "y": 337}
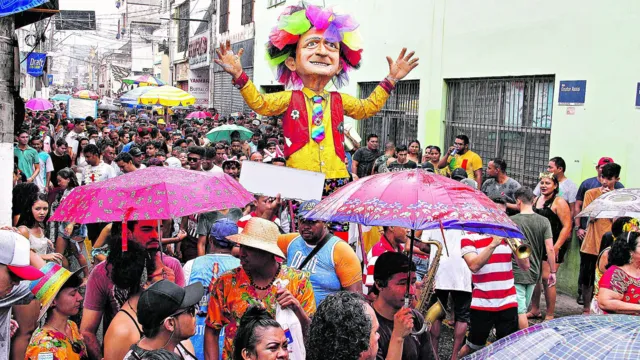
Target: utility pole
{"x": 7, "y": 90}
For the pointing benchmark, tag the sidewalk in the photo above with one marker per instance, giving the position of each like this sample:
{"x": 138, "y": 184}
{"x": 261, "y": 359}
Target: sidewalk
{"x": 565, "y": 306}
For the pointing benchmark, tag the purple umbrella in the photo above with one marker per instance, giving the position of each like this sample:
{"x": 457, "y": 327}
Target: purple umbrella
{"x": 37, "y": 104}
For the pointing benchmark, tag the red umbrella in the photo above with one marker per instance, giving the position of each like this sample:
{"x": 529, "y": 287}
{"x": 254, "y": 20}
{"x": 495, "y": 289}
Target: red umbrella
{"x": 199, "y": 115}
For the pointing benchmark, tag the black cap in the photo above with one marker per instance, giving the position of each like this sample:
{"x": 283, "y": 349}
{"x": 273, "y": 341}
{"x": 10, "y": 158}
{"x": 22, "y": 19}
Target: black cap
{"x": 459, "y": 174}
{"x": 428, "y": 167}
{"x": 165, "y": 298}
{"x": 135, "y": 152}
{"x": 391, "y": 263}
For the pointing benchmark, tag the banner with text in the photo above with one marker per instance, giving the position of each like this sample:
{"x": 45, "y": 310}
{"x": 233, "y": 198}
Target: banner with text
{"x": 199, "y": 86}
{"x": 199, "y": 51}
{"x": 35, "y": 64}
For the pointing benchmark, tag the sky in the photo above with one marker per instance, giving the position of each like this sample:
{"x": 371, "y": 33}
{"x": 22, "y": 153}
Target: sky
{"x": 107, "y": 24}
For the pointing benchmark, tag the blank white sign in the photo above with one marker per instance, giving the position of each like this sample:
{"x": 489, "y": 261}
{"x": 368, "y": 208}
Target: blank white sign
{"x": 81, "y": 108}
{"x": 271, "y": 180}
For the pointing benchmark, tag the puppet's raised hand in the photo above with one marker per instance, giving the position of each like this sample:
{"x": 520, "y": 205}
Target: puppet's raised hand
{"x": 229, "y": 61}
{"x": 403, "y": 65}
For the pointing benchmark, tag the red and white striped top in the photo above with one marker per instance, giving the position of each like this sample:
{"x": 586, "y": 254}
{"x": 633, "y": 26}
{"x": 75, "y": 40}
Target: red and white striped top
{"x": 381, "y": 247}
{"x": 493, "y": 286}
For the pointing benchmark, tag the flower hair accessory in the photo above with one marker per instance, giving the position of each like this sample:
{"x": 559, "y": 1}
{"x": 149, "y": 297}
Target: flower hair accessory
{"x": 547, "y": 175}
{"x": 297, "y": 20}
{"x": 631, "y": 225}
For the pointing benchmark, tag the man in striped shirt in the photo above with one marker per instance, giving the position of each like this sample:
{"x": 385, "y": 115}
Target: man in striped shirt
{"x": 493, "y": 300}
{"x": 393, "y": 239}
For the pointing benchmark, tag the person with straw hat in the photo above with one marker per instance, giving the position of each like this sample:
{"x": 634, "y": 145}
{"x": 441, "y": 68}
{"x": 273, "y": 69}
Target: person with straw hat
{"x": 60, "y": 298}
{"x": 261, "y": 280}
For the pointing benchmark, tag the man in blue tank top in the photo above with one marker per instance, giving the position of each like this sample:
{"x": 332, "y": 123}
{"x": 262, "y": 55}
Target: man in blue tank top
{"x": 333, "y": 267}
{"x": 205, "y": 269}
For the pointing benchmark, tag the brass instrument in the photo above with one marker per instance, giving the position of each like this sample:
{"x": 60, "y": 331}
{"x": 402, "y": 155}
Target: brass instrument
{"x": 436, "y": 311}
{"x": 521, "y": 250}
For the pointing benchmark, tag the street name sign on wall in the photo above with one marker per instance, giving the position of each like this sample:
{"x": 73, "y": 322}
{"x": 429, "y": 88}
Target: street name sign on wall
{"x": 572, "y": 92}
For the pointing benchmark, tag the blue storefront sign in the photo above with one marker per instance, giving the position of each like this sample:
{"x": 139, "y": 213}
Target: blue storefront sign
{"x": 572, "y": 92}
{"x": 35, "y": 64}
{"x": 638, "y": 95}
{"x": 50, "y": 79}
{"x": 16, "y": 6}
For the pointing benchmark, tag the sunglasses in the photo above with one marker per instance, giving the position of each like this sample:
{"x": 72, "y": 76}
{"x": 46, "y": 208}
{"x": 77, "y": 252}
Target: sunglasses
{"x": 191, "y": 310}
{"x": 192, "y": 159}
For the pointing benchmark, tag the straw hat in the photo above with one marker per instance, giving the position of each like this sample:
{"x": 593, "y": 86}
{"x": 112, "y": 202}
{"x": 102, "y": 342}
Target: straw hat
{"x": 46, "y": 288}
{"x": 259, "y": 234}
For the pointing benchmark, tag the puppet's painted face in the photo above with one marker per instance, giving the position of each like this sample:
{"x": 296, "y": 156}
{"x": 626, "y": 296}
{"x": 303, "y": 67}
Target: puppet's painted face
{"x": 315, "y": 56}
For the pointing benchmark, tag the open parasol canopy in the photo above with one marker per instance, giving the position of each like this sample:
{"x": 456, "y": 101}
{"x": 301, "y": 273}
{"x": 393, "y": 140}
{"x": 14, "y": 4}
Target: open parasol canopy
{"x": 37, "y": 104}
{"x": 143, "y": 80}
{"x": 167, "y": 96}
{"x": 418, "y": 200}
{"x": 616, "y": 203}
{"x": 86, "y": 94}
{"x": 224, "y": 132}
{"x": 573, "y": 337}
{"x": 60, "y": 97}
{"x": 131, "y": 97}
{"x": 151, "y": 194}
{"x": 199, "y": 115}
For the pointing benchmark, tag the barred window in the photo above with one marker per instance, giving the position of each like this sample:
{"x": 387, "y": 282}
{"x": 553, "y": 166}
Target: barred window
{"x": 247, "y": 12}
{"x": 224, "y": 16}
{"x": 508, "y": 118}
{"x": 183, "y": 27}
{"x": 397, "y": 121}
{"x": 275, "y": 2}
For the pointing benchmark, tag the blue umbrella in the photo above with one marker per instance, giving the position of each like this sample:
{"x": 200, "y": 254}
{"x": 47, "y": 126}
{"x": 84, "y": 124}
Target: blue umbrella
{"x": 131, "y": 97}
{"x": 572, "y": 337}
{"x": 60, "y": 97}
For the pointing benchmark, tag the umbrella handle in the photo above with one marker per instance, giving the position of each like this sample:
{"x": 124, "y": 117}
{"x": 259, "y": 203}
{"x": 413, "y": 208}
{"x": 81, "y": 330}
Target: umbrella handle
{"x": 444, "y": 240}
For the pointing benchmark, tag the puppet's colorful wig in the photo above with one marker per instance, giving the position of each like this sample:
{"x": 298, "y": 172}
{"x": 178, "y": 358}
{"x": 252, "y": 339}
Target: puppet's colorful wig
{"x": 297, "y": 20}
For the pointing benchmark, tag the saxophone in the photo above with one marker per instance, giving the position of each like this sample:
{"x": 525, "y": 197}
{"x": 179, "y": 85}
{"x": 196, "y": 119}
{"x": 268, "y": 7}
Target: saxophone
{"x": 436, "y": 311}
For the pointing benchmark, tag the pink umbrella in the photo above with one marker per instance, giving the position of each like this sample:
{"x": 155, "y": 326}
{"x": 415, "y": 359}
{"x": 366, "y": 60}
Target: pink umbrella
{"x": 199, "y": 115}
{"x": 37, "y": 104}
{"x": 150, "y": 194}
{"x": 415, "y": 199}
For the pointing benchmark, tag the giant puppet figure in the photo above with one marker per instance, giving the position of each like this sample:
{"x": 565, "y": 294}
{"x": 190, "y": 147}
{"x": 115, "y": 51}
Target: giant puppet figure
{"x": 311, "y": 47}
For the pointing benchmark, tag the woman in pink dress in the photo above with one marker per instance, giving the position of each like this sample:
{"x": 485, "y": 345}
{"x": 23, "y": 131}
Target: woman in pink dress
{"x": 620, "y": 285}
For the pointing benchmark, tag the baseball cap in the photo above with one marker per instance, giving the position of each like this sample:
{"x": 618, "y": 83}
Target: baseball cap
{"x": 15, "y": 253}
{"x": 391, "y": 263}
{"x": 164, "y": 299}
{"x": 221, "y": 229}
{"x": 305, "y": 207}
{"x": 255, "y": 122}
{"x": 135, "y": 152}
{"x": 161, "y": 122}
{"x": 605, "y": 160}
{"x": 459, "y": 174}
{"x": 428, "y": 167}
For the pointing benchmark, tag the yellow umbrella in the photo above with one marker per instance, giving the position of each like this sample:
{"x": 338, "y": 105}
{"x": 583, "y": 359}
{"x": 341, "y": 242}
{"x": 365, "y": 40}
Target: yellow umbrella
{"x": 167, "y": 96}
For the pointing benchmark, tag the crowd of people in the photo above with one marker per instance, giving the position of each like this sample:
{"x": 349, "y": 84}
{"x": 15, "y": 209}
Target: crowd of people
{"x": 240, "y": 284}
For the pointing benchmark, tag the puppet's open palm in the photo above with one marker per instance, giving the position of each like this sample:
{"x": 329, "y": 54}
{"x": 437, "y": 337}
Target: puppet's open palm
{"x": 403, "y": 65}
{"x": 229, "y": 61}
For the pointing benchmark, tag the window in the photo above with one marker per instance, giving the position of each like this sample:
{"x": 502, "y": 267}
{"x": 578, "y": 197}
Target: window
{"x": 224, "y": 16}
{"x": 397, "y": 121}
{"x": 247, "y": 12}
{"x": 183, "y": 27}
{"x": 275, "y": 2}
{"x": 504, "y": 117}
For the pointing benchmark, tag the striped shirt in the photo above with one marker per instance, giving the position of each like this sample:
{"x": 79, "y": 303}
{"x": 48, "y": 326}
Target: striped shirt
{"x": 381, "y": 247}
{"x": 245, "y": 219}
{"x": 494, "y": 288}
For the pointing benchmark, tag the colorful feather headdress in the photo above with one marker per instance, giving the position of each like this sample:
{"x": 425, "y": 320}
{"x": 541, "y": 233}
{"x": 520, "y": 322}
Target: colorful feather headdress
{"x": 297, "y": 20}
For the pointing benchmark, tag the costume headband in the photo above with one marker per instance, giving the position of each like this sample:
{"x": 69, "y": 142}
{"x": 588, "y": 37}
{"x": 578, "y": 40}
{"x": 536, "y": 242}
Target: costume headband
{"x": 297, "y": 20}
{"x": 548, "y": 175}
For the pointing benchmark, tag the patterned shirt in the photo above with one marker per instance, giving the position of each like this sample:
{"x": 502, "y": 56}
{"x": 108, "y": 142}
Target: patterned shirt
{"x": 493, "y": 285}
{"x": 232, "y": 294}
{"x": 54, "y": 345}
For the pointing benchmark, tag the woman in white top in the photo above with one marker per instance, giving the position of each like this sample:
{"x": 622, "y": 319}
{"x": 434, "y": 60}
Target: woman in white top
{"x": 79, "y": 163}
{"x": 31, "y": 226}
